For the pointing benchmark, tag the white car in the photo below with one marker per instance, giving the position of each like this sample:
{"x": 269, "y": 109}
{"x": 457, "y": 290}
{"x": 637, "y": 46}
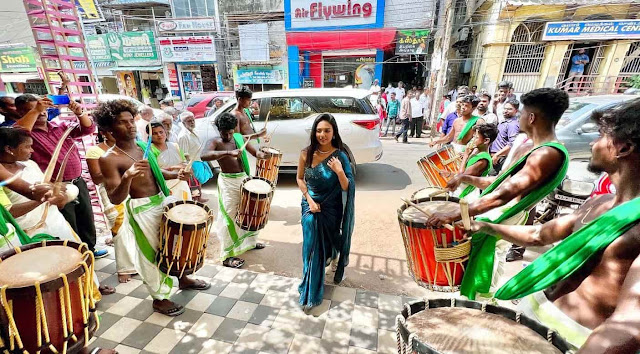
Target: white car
{"x": 291, "y": 116}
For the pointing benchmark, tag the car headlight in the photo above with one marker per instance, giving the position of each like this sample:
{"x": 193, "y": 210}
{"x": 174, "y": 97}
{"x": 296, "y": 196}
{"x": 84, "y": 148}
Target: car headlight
{"x": 577, "y": 188}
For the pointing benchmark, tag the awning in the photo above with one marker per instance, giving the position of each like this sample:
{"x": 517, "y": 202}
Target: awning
{"x": 136, "y": 68}
{"x": 19, "y": 77}
{"x": 335, "y": 40}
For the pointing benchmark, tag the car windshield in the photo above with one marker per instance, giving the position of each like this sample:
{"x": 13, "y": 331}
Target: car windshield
{"x": 576, "y": 110}
{"x": 195, "y": 100}
{"x": 336, "y": 104}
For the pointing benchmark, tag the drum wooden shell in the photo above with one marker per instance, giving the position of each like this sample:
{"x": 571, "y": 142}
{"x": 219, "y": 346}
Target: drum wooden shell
{"x": 268, "y": 168}
{"x": 253, "y": 209}
{"x": 464, "y": 326}
{"x": 65, "y": 305}
{"x": 184, "y": 237}
{"x": 436, "y": 257}
{"x": 444, "y": 159}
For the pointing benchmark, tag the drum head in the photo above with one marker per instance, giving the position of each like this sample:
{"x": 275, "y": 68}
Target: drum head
{"x": 426, "y": 192}
{"x": 257, "y": 186}
{"x": 38, "y": 264}
{"x": 464, "y": 330}
{"x": 414, "y": 215}
{"x": 187, "y": 214}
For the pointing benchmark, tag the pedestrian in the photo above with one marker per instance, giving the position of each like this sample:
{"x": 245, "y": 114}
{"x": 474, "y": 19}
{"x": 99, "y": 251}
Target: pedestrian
{"x": 461, "y": 130}
{"x": 405, "y": 118}
{"x": 217, "y": 103}
{"x": 400, "y": 92}
{"x": 375, "y": 87}
{"x": 505, "y": 93}
{"x": 8, "y": 110}
{"x": 167, "y": 102}
{"x": 482, "y": 110}
{"x": 444, "y": 103}
{"x": 460, "y": 92}
{"x": 474, "y": 90}
{"x": 170, "y": 158}
{"x": 393, "y": 107}
{"x": 46, "y": 135}
{"x": 449, "y": 119}
{"x": 425, "y": 102}
{"x": 192, "y": 146}
{"x": 144, "y": 116}
{"x": 416, "y": 116}
{"x": 578, "y": 62}
{"x": 327, "y": 184}
{"x": 508, "y": 130}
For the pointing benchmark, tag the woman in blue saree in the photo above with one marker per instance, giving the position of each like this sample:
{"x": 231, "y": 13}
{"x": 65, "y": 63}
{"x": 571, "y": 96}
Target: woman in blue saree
{"x": 328, "y": 187}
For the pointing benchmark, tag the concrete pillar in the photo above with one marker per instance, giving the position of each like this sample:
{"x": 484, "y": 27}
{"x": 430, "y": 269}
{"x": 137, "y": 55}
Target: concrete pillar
{"x": 378, "y": 67}
{"x": 293, "y": 54}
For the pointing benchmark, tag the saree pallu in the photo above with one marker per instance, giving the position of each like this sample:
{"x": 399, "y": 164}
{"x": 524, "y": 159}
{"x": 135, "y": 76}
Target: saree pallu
{"x": 326, "y": 234}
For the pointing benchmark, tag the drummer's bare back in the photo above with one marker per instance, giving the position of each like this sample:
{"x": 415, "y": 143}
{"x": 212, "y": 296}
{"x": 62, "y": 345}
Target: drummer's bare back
{"x": 244, "y": 125}
{"x": 228, "y": 164}
{"x": 590, "y": 295}
{"x": 116, "y": 163}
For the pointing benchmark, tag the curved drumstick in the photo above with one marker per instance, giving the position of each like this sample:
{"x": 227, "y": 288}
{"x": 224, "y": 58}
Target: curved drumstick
{"x": 11, "y": 179}
{"x": 429, "y": 214}
{"x": 437, "y": 193}
{"x": 58, "y": 184}
{"x": 464, "y": 212}
{"x": 48, "y": 173}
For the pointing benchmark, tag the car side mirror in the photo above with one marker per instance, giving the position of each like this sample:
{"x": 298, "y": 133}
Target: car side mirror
{"x": 589, "y": 128}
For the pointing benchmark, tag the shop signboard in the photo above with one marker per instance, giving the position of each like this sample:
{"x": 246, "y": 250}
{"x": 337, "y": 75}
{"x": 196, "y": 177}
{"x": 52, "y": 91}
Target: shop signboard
{"x": 89, "y": 11}
{"x": 132, "y": 46}
{"x": 257, "y": 75}
{"x": 305, "y": 15}
{"x": 412, "y": 42}
{"x": 17, "y": 59}
{"x": 583, "y": 30}
{"x": 187, "y": 25}
{"x": 98, "y": 48}
{"x": 187, "y": 49}
{"x": 127, "y": 84}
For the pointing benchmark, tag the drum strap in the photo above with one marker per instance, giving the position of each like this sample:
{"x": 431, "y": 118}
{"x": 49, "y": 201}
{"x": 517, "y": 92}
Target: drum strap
{"x": 478, "y": 275}
{"x": 470, "y": 124}
{"x": 472, "y": 160}
{"x": 573, "y": 252}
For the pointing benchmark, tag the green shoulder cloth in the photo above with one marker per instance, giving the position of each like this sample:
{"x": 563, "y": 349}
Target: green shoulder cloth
{"x": 470, "y": 124}
{"x": 237, "y": 137}
{"x": 472, "y": 160}
{"x": 7, "y": 218}
{"x": 155, "y": 169}
{"x": 573, "y": 252}
{"x": 477, "y": 277}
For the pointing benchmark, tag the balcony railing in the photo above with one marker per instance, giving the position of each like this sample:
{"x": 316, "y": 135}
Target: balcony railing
{"x": 595, "y": 84}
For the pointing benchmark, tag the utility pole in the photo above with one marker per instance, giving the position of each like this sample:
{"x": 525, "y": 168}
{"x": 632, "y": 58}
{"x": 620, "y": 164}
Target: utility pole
{"x": 439, "y": 61}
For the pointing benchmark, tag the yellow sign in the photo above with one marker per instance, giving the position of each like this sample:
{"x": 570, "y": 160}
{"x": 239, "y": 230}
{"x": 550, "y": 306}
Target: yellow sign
{"x": 88, "y": 10}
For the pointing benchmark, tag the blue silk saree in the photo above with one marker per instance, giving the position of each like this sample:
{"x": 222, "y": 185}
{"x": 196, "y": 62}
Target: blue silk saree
{"x": 326, "y": 234}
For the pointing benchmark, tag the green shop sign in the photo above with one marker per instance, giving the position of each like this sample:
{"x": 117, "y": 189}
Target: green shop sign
{"x": 98, "y": 48}
{"x": 131, "y": 46}
{"x": 17, "y": 59}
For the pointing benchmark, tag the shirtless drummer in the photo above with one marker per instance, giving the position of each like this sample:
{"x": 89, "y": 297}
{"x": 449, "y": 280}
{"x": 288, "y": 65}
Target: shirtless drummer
{"x": 128, "y": 174}
{"x": 597, "y": 305}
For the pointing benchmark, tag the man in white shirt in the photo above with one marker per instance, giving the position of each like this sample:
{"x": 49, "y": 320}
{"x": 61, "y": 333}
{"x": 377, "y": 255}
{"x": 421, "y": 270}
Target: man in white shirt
{"x": 400, "y": 92}
{"x": 482, "y": 110}
{"x": 425, "y": 102}
{"x": 191, "y": 146}
{"x": 416, "y": 116}
{"x": 461, "y": 92}
{"x": 145, "y": 115}
{"x": 375, "y": 87}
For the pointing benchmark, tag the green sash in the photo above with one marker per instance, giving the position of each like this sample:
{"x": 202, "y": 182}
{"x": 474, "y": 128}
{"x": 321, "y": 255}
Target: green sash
{"x": 573, "y": 252}
{"x": 472, "y": 160}
{"x": 237, "y": 137}
{"x": 247, "y": 111}
{"x": 470, "y": 124}
{"x": 155, "y": 169}
{"x": 477, "y": 277}
{"x": 7, "y": 218}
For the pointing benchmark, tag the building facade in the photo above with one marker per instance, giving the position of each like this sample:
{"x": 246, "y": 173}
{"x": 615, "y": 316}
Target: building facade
{"x": 532, "y": 43}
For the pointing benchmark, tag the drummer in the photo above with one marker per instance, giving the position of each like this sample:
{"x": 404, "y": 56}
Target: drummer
{"x": 595, "y": 296}
{"x": 462, "y": 130}
{"x": 235, "y": 168}
{"x": 508, "y": 197}
{"x": 476, "y": 162}
{"x": 134, "y": 176}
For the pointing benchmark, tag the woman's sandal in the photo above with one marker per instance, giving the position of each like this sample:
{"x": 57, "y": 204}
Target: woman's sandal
{"x": 233, "y": 262}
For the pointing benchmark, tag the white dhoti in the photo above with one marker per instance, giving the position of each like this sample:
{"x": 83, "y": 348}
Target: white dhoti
{"x": 233, "y": 240}
{"x": 539, "y": 308}
{"x": 179, "y": 189}
{"x": 138, "y": 240}
{"x": 471, "y": 197}
{"x": 458, "y": 148}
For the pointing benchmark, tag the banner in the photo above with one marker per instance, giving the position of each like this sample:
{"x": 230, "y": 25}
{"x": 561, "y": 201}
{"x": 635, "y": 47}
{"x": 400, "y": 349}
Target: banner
{"x": 89, "y": 11}
{"x": 187, "y": 49}
{"x": 259, "y": 75}
{"x": 581, "y": 30}
{"x": 17, "y": 59}
{"x": 412, "y": 42}
{"x": 333, "y": 14}
{"x": 187, "y": 25}
{"x": 132, "y": 46}
{"x": 98, "y": 48}
{"x": 127, "y": 84}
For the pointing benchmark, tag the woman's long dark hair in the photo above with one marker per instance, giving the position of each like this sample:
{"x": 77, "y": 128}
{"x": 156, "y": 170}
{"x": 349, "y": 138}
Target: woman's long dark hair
{"x": 336, "y": 142}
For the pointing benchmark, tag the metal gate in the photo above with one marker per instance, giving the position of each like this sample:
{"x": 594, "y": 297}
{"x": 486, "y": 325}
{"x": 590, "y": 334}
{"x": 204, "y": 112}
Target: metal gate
{"x": 631, "y": 64}
{"x": 525, "y": 56}
{"x": 565, "y": 65}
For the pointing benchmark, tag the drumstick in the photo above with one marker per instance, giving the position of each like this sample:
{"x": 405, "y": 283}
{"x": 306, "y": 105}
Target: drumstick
{"x": 436, "y": 193}
{"x": 266, "y": 120}
{"x": 11, "y": 179}
{"x": 429, "y": 214}
{"x": 464, "y": 212}
{"x": 57, "y": 185}
{"x": 48, "y": 173}
{"x": 245, "y": 144}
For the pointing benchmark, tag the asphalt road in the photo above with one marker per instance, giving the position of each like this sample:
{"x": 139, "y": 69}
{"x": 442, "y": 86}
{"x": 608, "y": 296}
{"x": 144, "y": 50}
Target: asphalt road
{"x": 378, "y": 258}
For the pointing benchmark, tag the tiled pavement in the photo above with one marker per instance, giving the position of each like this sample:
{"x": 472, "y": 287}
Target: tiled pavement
{"x": 244, "y": 312}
